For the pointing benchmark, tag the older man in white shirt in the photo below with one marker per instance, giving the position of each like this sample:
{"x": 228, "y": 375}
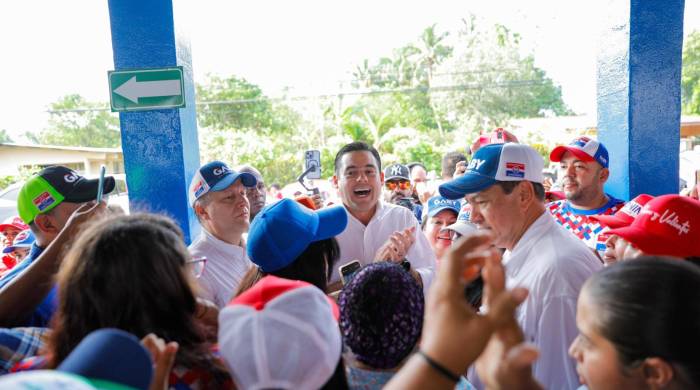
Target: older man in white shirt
{"x": 376, "y": 230}
{"x": 218, "y": 196}
{"x": 503, "y": 184}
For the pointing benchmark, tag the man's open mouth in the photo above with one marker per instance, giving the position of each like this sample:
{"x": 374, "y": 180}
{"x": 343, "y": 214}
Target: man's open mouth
{"x": 362, "y": 192}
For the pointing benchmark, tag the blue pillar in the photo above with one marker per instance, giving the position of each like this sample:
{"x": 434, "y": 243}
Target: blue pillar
{"x": 639, "y": 70}
{"x": 161, "y": 151}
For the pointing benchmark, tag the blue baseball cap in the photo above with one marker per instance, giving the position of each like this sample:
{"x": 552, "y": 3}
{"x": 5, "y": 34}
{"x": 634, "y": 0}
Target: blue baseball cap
{"x": 216, "y": 176}
{"x": 24, "y": 239}
{"x": 496, "y": 162}
{"x": 111, "y": 356}
{"x": 587, "y": 149}
{"x": 282, "y": 231}
{"x": 438, "y": 203}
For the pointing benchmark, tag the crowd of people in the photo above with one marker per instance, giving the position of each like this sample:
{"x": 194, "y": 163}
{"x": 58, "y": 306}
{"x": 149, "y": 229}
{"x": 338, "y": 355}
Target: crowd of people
{"x": 492, "y": 277}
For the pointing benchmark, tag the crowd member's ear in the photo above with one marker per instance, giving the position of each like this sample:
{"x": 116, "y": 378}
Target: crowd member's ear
{"x": 335, "y": 181}
{"x": 526, "y": 192}
{"x": 200, "y": 211}
{"x": 46, "y": 224}
{"x": 604, "y": 174}
{"x": 657, "y": 372}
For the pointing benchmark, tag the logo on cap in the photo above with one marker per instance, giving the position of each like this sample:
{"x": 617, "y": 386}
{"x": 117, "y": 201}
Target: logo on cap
{"x": 22, "y": 236}
{"x": 580, "y": 142}
{"x": 669, "y": 218}
{"x": 475, "y": 164}
{"x": 71, "y": 177}
{"x": 43, "y": 201}
{"x": 396, "y": 170}
{"x": 632, "y": 208}
{"x": 514, "y": 169}
{"x": 221, "y": 170}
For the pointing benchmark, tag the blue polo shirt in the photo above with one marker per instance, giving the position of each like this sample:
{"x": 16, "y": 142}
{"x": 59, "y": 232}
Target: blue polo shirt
{"x": 42, "y": 314}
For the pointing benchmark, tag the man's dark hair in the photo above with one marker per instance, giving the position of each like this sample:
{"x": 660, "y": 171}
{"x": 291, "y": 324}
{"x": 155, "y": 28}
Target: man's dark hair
{"x": 357, "y": 146}
{"x": 509, "y": 186}
{"x": 449, "y": 162}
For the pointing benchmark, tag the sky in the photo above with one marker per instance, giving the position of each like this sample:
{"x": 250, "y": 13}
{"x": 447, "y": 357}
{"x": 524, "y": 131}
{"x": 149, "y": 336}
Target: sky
{"x": 309, "y": 46}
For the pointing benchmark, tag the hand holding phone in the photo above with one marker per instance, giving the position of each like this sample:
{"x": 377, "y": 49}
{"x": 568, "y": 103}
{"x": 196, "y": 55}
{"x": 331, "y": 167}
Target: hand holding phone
{"x": 100, "y": 184}
{"x": 349, "y": 270}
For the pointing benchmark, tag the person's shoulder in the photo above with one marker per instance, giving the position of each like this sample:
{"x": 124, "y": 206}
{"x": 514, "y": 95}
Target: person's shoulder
{"x": 556, "y": 206}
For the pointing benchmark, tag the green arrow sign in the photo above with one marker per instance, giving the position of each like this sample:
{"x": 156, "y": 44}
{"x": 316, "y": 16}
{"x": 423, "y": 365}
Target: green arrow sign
{"x": 146, "y": 89}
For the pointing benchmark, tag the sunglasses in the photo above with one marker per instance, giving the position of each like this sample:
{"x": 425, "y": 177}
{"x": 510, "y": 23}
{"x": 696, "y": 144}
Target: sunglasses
{"x": 196, "y": 266}
{"x": 403, "y": 184}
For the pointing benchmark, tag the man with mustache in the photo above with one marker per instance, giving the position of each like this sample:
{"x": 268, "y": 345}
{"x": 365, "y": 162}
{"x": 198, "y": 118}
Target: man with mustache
{"x": 218, "y": 196}
{"x": 583, "y": 165}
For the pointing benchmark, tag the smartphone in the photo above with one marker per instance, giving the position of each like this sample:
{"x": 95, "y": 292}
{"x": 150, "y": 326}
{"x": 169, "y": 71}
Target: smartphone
{"x": 349, "y": 270}
{"x": 100, "y": 184}
{"x": 312, "y": 158}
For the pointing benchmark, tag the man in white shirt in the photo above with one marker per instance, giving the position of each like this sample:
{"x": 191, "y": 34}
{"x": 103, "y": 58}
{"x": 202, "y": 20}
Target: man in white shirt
{"x": 218, "y": 196}
{"x": 376, "y": 230}
{"x": 503, "y": 183}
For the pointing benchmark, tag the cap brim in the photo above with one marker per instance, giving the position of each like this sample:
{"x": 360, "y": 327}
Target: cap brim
{"x": 466, "y": 184}
{"x": 462, "y": 228}
{"x": 331, "y": 222}
{"x": 86, "y": 190}
{"x": 649, "y": 243}
{"x": 4, "y": 226}
{"x": 396, "y": 178}
{"x": 558, "y": 152}
{"x": 439, "y": 209}
{"x": 611, "y": 221}
{"x": 247, "y": 179}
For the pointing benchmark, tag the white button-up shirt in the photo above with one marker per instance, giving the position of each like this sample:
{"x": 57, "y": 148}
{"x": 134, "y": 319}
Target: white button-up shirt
{"x": 553, "y": 265}
{"x": 360, "y": 242}
{"x": 225, "y": 267}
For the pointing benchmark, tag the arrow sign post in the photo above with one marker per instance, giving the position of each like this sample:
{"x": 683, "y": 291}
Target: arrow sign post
{"x": 146, "y": 89}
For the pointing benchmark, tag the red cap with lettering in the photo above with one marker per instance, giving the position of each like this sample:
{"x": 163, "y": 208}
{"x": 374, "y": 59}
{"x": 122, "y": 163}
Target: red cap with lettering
{"x": 668, "y": 225}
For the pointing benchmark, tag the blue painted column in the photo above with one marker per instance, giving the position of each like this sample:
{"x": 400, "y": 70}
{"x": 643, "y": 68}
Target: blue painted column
{"x": 161, "y": 151}
{"x": 639, "y": 70}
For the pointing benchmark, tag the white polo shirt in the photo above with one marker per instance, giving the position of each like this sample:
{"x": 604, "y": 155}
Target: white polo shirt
{"x": 226, "y": 265}
{"x": 360, "y": 242}
{"x": 553, "y": 265}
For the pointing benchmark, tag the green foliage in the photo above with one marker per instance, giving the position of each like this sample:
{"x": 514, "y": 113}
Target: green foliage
{"x": 74, "y": 121}
{"x": 4, "y": 137}
{"x": 690, "y": 77}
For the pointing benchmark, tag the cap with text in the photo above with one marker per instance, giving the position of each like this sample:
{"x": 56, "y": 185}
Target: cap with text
{"x": 587, "y": 149}
{"x": 496, "y": 162}
{"x": 396, "y": 172}
{"x": 626, "y": 215}
{"x": 216, "y": 176}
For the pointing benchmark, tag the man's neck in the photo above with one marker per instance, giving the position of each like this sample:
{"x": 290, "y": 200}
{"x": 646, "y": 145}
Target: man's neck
{"x": 233, "y": 238}
{"x": 532, "y": 214}
{"x": 596, "y": 202}
{"x": 363, "y": 216}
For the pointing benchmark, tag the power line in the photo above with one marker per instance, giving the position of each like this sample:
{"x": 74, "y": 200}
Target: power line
{"x": 384, "y": 91}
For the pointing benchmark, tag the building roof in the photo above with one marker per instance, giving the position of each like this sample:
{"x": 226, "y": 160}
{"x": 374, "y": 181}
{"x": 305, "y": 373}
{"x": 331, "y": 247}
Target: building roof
{"x": 57, "y": 147}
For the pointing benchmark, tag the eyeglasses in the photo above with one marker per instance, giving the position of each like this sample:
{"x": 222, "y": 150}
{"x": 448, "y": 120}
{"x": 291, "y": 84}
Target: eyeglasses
{"x": 402, "y": 184}
{"x": 196, "y": 265}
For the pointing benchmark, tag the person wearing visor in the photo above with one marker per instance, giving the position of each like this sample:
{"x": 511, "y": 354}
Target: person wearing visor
{"x": 668, "y": 225}
{"x": 398, "y": 189}
{"x": 615, "y": 246}
{"x": 53, "y": 202}
{"x": 503, "y": 185}
{"x": 21, "y": 245}
{"x": 218, "y": 196}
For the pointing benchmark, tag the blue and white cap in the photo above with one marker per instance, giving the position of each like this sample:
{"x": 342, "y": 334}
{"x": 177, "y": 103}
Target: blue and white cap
{"x": 496, "y": 162}
{"x": 463, "y": 224}
{"x": 216, "y": 176}
{"x": 587, "y": 149}
{"x": 24, "y": 239}
{"x": 438, "y": 203}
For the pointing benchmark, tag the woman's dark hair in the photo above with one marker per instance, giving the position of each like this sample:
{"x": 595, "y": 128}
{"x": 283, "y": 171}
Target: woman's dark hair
{"x": 310, "y": 266}
{"x": 129, "y": 273}
{"x": 650, "y": 307}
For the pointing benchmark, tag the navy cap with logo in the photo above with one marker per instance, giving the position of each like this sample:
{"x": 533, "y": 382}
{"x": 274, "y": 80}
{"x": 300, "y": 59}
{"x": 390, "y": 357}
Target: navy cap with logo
{"x": 396, "y": 172}
{"x": 53, "y": 185}
{"x": 216, "y": 176}
{"x": 437, "y": 203}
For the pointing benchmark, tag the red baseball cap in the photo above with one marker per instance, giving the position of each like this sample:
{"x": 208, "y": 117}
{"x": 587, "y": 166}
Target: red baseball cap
{"x": 667, "y": 225}
{"x": 626, "y": 215}
{"x": 13, "y": 223}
